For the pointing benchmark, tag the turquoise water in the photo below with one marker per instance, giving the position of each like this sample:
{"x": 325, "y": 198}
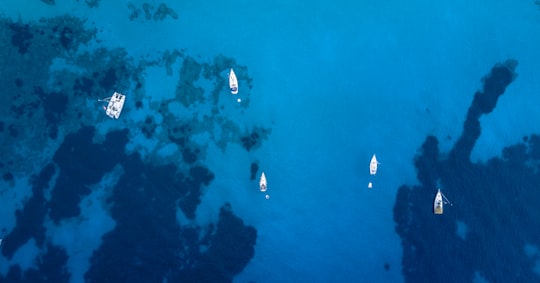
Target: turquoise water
{"x": 166, "y": 191}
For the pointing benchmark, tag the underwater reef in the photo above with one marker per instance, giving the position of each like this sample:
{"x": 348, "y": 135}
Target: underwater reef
{"x": 54, "y": 130}
{"x": 492, "y": 227}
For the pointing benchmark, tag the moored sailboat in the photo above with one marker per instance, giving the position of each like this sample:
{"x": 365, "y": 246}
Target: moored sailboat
{"x": 438, "y": 203}
{"x": 262, "y": 183}
{"x": 373, "y": 165}
{"x": 233, "y": 82}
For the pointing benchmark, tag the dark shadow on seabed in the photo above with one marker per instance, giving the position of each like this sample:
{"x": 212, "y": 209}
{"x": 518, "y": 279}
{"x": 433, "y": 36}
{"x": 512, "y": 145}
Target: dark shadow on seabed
{"x": 492, "y": 200}
{"x": 148, "y": 244}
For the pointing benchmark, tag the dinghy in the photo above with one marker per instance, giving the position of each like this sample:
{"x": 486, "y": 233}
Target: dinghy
{"x": 115, "y": 105}
{"x": 233, "y": 82}
{"x": 438, "y": 203}
{"x": 373, "y": 165}
{"x": 262, "y": 183}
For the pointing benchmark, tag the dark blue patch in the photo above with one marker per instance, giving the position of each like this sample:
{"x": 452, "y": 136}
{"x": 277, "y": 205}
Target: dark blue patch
{"x": 109, "y": 80}
{"x": 83, "y": 86}
{"x": 29, "y": 220}
{"x": 50, "y": 268}
{"x": 82, "y": 163}
{"x": 253, "y": 169}
{"x": 229, "y": 251}
{"x": 21, "y": 37}
{"x": 492, "y": 199}
{"x": 66, "y": 37}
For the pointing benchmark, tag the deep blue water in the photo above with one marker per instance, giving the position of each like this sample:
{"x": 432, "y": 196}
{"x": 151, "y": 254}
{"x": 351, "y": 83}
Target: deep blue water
{"x": 444, "y": 93}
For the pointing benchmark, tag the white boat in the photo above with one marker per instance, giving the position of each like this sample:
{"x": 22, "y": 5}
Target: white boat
{"x": 262, "y": 183}
{"x": 438, "y": 203}
{"x": 115, "y": 105}
{"x": 233, "y": 82}
{"x": 373, "y": 165}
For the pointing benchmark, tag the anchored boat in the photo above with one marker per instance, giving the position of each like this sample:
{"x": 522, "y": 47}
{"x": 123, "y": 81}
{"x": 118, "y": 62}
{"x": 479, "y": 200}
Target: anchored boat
{"x": 115, "y": 105}
{"x": 262, "y": 183}
{"x": 438, "y": 203}
{"x": 373, "y": 165}
{"x": 233, "y": 82}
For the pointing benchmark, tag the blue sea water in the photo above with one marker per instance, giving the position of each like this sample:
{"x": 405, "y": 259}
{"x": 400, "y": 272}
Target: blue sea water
{"x": 164, "y": 193}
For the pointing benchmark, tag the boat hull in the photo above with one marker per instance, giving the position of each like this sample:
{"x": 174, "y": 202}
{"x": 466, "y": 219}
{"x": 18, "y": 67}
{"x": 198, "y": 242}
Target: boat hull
{"x": 115, "y": 106}
{"x": 262, "y": 183}
{"x": 438, "y": 203}
{"x": 233, "y": 82}
{"x": 373, "y": 165}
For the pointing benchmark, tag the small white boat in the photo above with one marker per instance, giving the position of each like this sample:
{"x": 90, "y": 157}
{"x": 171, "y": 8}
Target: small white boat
{"x": 262, "y": 183}
{"x": 233, "y": 82}
{"x": 370, "y": 185}
{"x": 438, "y": 203}
{"x": 373, "y": 165}
{"x": 115, "y": 105}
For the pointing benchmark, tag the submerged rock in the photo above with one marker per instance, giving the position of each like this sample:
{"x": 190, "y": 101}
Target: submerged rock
{"x": 491, "y": 200}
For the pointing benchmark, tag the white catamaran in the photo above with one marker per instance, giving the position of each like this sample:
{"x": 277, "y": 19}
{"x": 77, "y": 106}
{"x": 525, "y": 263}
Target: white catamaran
{"x": 115, "y": 105}
{"x": 233, "y": 82}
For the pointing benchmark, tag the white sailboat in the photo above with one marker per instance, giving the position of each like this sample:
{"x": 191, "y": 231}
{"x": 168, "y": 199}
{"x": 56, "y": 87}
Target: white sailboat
{"x": 115, "y": 105}
{"x": 262, "y": 183}
{"x": 438, "y": 203}
{"x": 233, "y": 82}
{"x": 373, "y": 165}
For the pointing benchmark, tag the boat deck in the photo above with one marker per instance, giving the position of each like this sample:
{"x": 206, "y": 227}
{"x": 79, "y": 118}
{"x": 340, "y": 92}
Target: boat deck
{"x": 116, "y": 103}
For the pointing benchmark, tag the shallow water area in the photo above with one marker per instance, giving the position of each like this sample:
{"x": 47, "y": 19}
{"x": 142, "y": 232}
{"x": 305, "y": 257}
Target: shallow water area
{"x": 322, "y": 86}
